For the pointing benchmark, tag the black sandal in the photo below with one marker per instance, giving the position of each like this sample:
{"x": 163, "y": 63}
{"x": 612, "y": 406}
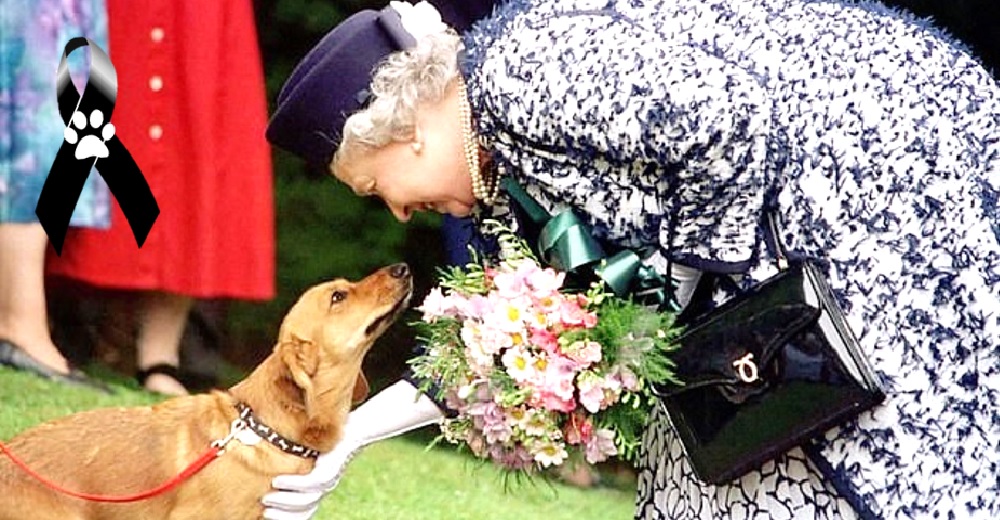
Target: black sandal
{"x": 162, "y": 369}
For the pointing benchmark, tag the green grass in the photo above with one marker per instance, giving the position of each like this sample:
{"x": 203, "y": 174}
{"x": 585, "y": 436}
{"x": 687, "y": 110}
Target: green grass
{"x": 394, "y": 479}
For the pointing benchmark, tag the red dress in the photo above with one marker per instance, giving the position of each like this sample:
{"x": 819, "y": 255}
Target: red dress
{"x": 191, "y": 109}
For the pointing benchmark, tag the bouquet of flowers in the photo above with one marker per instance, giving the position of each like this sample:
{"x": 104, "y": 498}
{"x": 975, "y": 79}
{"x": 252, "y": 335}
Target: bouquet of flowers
{"x": 537, "y": 373}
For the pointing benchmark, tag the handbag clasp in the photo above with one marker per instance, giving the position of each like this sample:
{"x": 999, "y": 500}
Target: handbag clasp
{"x": 746, "y": 369}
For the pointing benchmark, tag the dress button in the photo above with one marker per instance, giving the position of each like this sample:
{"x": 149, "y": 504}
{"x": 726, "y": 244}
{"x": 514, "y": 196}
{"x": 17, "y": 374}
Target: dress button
{"x": 155, "y": 83}
{"x": 156, "y": 34}
{"x": 155, "y": 132}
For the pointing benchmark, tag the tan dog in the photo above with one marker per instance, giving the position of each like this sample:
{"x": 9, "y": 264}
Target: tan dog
{"x": 303, "y": 391}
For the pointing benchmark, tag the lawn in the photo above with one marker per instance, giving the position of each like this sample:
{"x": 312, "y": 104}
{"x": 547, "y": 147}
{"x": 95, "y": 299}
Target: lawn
{"x": 394, "y": 479}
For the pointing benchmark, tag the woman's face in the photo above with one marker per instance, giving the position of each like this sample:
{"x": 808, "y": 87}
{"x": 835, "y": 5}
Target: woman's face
{"x": 426, "y": 173}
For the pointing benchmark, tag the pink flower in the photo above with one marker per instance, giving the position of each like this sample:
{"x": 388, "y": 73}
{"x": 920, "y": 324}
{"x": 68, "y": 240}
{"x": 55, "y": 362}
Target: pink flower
{"x": 495, "y": 340}
{"x": 519, "y": 458}
{"x": 591, "y": 387}
{"x": 527, "y": 268}
{"x": 489, "y": 272}
{"x": 545, "y": 283}
{"x": 516, "y": 457}
{"x": 578, "y": 428}
{"x": 559, "y": 375}
{"x": 477, "y": 306}
{"x": 476, "y": 411}
{"x": 497, "y": 432}
{"x": 435, "y": 305}
{"x": 544, "y": 339}
{"x": 513, "y": 284}
{"x": 548, "y": 305}
{"x": 601, "y": 446}
{"x": 551, "y": 401}
{"x": 572, "y": 315}
{"x": 553, "y": 387}
{"x": 583, "y": 352}
{"x": 629, "y": 380}
{"x": 491, "y": 419}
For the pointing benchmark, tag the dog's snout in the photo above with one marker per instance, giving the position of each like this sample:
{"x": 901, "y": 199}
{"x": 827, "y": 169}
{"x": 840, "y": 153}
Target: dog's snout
{"x": 400, "y": 270}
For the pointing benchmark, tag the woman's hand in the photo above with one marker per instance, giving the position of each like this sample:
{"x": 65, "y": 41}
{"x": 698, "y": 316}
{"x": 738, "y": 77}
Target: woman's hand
{"x": 297, "y": 497}
{"x": 393, "y": 411}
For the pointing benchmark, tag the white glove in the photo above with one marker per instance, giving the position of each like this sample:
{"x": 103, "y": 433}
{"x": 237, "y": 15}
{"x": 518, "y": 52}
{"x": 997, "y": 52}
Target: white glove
{"x": 687, "y": 281}
{"x": 393, "y": 411}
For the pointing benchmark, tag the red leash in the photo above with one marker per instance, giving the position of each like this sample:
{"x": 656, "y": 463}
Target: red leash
{"x": 209, "y": 455}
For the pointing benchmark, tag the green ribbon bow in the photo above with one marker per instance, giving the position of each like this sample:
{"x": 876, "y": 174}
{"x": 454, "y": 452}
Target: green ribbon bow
{"x": 566, "y": 244}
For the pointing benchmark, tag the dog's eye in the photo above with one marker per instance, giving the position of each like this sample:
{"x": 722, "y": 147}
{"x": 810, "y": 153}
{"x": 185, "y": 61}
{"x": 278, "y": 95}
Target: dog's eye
{"x": 337, "y": 296}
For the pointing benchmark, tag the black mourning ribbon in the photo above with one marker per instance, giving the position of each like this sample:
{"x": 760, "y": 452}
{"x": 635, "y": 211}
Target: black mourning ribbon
{"x": 64, "y": 184}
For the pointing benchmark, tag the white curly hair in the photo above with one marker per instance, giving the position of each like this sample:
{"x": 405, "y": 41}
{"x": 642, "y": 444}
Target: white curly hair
{"x": 402, "y": 82}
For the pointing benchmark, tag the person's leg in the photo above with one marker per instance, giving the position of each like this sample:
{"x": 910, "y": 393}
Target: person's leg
{"x": 23, "y": 316}
{"x": 161, "y": 327}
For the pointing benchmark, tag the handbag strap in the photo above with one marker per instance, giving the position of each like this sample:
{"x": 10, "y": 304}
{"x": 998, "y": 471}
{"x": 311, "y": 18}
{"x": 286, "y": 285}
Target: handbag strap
{"x": 780, "y": 256}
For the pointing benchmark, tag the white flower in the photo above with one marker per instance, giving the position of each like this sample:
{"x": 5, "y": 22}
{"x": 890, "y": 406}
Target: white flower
{"x": 478, "y": 351}
{"x": 420, "y": 19}
{"x": 537, "y": 424}
{"x": 520, "y": 364}
{"x": 549, "y": 453}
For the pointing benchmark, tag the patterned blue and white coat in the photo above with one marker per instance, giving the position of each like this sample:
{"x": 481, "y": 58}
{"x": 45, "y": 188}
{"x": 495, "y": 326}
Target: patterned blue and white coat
{"x": 877, "y": 138}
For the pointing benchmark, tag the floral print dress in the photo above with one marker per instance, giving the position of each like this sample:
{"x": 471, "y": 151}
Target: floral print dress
{"x": 33, "y": 34}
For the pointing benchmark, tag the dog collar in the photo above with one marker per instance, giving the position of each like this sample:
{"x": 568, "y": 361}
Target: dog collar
{"x": 265, "y": 432}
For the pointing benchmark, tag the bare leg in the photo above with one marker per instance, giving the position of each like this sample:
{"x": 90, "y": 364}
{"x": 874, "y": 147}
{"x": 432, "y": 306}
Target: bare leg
{"x": 161, "y": 326}
{"x": 23, "y": 315}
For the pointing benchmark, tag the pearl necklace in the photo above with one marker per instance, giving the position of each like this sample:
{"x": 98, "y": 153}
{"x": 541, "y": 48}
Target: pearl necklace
{"x": 480, "y": 190}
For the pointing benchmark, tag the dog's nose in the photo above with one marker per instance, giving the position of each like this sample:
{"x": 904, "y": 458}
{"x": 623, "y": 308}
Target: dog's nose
{"x": 399, "y": 270}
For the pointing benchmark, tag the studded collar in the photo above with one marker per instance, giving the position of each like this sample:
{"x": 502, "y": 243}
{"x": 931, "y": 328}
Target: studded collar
{"x": 268, "y": 434}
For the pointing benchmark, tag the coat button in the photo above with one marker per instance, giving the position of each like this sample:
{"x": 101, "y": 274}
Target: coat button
{"x": 156, "y": 34}
{"x": 155, "y": 132}
{"x": 155, "y": 83}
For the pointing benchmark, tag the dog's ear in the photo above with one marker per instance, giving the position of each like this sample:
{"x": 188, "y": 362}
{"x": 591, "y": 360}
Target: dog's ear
{"x": 360, "y": 392}
{"x": 301, "y": 356}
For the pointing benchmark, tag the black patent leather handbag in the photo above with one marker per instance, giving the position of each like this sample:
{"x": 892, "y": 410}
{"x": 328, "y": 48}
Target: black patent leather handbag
{"x": 764, "y": 372}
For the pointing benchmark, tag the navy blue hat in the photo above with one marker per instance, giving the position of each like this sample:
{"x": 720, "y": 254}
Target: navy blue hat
{"x": 332, "y": 81}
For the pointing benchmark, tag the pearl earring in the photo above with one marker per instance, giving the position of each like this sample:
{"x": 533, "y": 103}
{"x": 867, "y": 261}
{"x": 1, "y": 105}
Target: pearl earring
{"x": 417, "y": 147}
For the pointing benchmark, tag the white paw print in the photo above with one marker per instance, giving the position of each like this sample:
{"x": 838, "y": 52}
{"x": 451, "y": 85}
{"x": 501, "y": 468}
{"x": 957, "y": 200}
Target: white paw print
{"x": 89, "y": 145}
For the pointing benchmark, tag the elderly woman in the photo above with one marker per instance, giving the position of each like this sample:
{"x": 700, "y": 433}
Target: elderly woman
{"x": 675, "y": 124}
